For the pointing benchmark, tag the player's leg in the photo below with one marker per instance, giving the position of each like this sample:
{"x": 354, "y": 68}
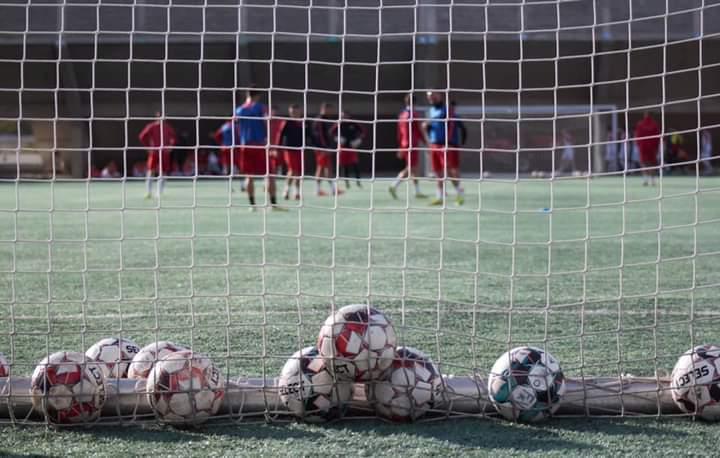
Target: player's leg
{"x": 356, "y": 168}
{"x": 452, "y": 162}
{"x": 399, "y": 179}
{"x": 151, "y": 165}
{"x": 148, "y": 183}
{"x": 437, "y": 158}
{"x": 250, "y": 189}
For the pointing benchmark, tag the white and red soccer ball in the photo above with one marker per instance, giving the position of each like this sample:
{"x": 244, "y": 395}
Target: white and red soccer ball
{"x": 113, "y": 356}
{"x": 4, "y": 366}
{"x": 413, "y": 386}
{"x": 68, "y": 388}
{"x": 145, "y": 359}
{"x": 308, "y": 389}
{"x": 358, "y": 343}
{"x": 695, "y": 382}
{"x": 185, "y": 388}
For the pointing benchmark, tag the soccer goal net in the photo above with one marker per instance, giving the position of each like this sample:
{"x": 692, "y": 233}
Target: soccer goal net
{"x": 518, "y": 194}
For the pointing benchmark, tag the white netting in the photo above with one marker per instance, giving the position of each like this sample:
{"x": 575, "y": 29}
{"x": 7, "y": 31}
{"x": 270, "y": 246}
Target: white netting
{"x": 550, "y": 240}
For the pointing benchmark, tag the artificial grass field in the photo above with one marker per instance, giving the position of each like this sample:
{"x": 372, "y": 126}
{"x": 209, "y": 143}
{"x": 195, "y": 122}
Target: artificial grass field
{"x": 629, "y": 282}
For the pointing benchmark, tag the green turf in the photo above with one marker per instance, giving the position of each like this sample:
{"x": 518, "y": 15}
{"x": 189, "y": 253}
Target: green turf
{"x": 630, "y": 278}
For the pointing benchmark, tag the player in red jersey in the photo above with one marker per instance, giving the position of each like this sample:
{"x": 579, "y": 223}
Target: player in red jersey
{"x": 158, "y": 137}
{"x": 647, "y": 139}
{"x": 322, "y": 140}
{"x": 410, "y": 135}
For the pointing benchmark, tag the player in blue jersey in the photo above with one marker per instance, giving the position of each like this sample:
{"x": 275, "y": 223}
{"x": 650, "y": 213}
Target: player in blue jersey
{"x": 444, "y": 137}
{"x": 251, "y": 133}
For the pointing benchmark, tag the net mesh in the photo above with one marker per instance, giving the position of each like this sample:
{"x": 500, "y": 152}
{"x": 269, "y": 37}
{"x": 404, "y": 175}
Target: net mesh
{"x": 558, "y": 243}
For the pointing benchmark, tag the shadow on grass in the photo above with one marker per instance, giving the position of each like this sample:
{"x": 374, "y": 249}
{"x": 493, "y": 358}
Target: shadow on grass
{"x": 573, "y": 436}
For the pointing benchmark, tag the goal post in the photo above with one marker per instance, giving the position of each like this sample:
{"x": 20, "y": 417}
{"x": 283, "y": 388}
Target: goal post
{"x": 124, "y": 211}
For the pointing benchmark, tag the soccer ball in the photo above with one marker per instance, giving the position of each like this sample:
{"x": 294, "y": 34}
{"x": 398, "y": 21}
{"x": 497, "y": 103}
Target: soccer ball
{"x": 4, "y": 366}
{"x": 412, "y": 387}
{"x": 185, "y": 388}
{"x": 68, "y": 388}
{"x": 143, "y": 362}
{"x": 357, "y": 343}
{"x": 307, "y": 387}
{"x": 526, "y": 384}
{"x": 114, "y": 355}
{"x": 695, "y": 385}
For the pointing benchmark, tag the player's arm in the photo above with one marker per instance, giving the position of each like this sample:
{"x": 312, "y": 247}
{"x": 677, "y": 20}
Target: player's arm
{"x": 144, "y": 136}
{"x": 462, "y": 131}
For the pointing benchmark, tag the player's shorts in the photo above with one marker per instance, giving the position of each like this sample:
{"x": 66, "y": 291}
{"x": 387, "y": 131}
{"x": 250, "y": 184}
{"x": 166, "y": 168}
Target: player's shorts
{"x": 347, "y": 157}
{"x": 226, "y": 157}
{"x": 254, "y": 160}
{"x": 411, "y": 158}
{"x": 154, "y": 163}
{"x": 648, "y": 158}
{"x": 322, "y": 159}
{"x": 293, "y": 160}
{"x": 442, "y": 158}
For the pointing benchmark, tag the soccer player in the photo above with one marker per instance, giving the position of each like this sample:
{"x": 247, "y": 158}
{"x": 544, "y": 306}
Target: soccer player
{"x": 276, "y": 157}
{"x": 351, "y": 137}
{"x": 158, "y": 137}
{"x": 322, "y": 139}
{"x": 292, "y": 138}
{"x": 706, "y": 152}
{"x": 229, "y": 155}
{"x": 251, "y": 129}
{"x": 410, "y": 135}
{"x": 443, "y": 136}
{"x": 647, "y": 139}
{"x": 567, "y": 155}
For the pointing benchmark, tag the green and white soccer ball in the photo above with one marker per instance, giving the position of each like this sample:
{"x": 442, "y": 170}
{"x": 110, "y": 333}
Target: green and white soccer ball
{"x": 695, "y": 385}
{"x": 526, "y": 384}
{"x": 309, "y": 390}
{"x": 413, "y": 386}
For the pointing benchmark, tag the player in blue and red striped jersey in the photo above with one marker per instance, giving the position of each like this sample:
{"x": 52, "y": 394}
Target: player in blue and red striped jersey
{"x": 158, "y": 137}
{"x": 444, "y": 137}
{"x": 251, "y": 132}
{"x": 410, "y": 135}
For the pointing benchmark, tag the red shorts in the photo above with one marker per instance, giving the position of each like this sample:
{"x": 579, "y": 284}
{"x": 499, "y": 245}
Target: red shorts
{"x": 322, "y": 159}
{"x": 154, "y": 162}
{"x": 254, "y": 160}
{"x": 411, "y": 158}
{"x": 293, "y": 160}
{"x": 648, "y": 158}
{"x": 225, "y": 157}
{"x": 346, "y": 157}
{"x": 442, "y": 158}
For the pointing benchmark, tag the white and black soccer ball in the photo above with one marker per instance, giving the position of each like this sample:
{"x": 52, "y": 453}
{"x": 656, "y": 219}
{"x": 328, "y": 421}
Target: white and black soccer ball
{"x": 185, "y": 388}
{"x": 68, "y": 388}
{"x": 143, "y": 362}
{"x": 358, "y": 343}
{"x": 695, "y": 385}
{"x": 309, "y": 390}
{"x": 413, "y": 386}
{"x": 113, "y": 356}
{"x": 4, "y": 366}
{"x": 526, "y": 384}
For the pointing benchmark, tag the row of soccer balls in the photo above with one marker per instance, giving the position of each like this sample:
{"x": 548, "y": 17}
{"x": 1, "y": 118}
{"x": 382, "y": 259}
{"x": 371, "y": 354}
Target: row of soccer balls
{"x": 355, "y": 344}
{"x": 358, "y": 344}
{"x": 182, "y": 386}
